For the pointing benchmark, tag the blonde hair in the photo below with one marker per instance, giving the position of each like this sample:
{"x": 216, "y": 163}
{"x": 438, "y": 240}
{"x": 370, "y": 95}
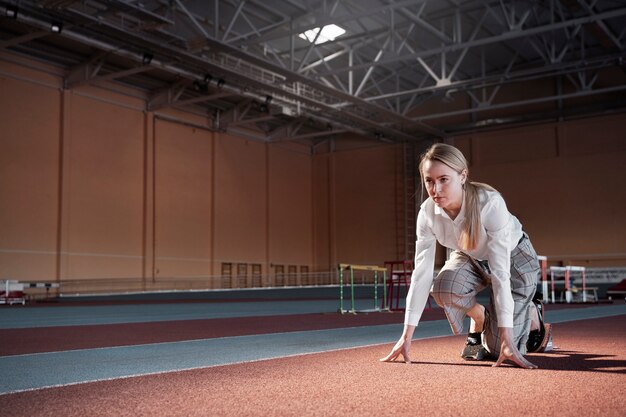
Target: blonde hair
{"x": 452, "y": 157}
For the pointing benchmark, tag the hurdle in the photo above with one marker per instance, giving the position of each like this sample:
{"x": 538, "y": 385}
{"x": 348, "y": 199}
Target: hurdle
{"x": 567, "y": 270}
{"x": 12, "y": 293}
{"x": 352, "y": 268}
{"x": 399, "y": 274}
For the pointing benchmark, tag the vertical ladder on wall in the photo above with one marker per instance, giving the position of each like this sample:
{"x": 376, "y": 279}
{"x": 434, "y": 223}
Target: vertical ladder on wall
{"x": 409, "y": 198}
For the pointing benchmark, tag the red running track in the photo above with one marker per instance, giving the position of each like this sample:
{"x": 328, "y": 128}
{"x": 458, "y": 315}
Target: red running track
{"x": 60, "y": 338}
{"x": 53, "y": 339}
{"x": 586, "y": 377}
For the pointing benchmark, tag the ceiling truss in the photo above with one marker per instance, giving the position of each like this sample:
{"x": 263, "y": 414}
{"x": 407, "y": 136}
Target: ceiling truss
{"x": 403, "y": 70}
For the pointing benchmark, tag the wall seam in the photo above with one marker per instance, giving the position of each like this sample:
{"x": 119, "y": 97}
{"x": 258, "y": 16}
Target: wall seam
{"x": 60, "y": 187}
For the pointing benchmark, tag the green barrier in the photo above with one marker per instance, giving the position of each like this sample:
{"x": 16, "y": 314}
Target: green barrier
{"x": 352, "y": 268}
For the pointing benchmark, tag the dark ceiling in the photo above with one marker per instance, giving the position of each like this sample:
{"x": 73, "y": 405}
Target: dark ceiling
{"x": 402, "y": 71}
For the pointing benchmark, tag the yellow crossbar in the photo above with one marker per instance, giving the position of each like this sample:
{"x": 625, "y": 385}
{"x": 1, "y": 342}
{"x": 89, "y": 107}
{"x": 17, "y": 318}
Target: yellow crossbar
{"x": 362, "y": 267}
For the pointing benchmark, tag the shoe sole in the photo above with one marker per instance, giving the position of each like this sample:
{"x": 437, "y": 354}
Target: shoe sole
{"x": 473, "y": 353}
{"x": 546, "y": 343}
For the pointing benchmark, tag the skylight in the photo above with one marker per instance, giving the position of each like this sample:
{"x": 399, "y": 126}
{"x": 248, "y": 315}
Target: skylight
{"x": 329, "y": 33}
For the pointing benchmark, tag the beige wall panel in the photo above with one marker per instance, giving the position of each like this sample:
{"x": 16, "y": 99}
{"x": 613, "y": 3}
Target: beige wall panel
{"x": 365, "y": 221}
{"x": 601, "y": 82}
{"x": 86, "y": 267}
{"x": 240, "y": 201}
{"x": 599, "y": 135}
{"x": 517, "y": 145}
{"x": 29, "y": 179}
{"x": 465, "y": 145}
{"x": 35, "y": 71}
{"x": 104, "y": 207}
{"x": 28, "y": 265}
{"x": 183, "y": 192}
{"x": 571, "y": 205}
{"x": 321, "y": 212}
{"x": 132, "y": 99}
{"x": 350, "y": 141}
{"x": 176, "y": 115}
{"x": 571, "y": 213}
{"x": 290, "y": 207}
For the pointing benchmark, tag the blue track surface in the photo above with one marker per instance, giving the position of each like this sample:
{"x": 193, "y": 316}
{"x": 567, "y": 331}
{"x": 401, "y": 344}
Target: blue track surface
{"x": 15, "y": 318}
{"x": 40, "y": 370}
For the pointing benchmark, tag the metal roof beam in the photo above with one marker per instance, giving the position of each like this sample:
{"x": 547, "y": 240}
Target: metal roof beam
{"x": 425, "y": 25}
{"x": 201, "y": 99}
{"x": 167, "y": 96}
{"x": 319, "y": 134}
{"x": 278, "y": 34}
{"x": 242, "y": 122}
{"x": 24, "y": 38}
{"x": 85, "y": 72}
{"x": 538, "y": 100}
{"x": 184, "y": 62}
{"x": 493, "y": 39}
{"x": 513, "y": 76}
{"x": 371, "y": 68}
{"x": 285, "y": 131}
{"x": 139, "y": 11}
{"x": 121, "y": 74}
{"x": 233, "y": 19}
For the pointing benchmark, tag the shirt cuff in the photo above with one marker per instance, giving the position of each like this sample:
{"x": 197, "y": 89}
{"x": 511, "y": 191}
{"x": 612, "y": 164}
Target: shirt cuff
{"x": 505, "y": 321}
{"x": 412, "y": 319}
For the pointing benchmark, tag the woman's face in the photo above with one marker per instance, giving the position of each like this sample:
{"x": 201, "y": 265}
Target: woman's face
{"x": 444, "y": 185}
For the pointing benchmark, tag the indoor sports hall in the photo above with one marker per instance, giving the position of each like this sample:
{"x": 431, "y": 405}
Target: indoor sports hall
{"x": 237, "y": 208}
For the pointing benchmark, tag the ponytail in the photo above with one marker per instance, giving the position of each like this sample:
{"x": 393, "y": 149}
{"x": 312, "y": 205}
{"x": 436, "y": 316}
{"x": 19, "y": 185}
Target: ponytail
{"x": 471, "y": 225}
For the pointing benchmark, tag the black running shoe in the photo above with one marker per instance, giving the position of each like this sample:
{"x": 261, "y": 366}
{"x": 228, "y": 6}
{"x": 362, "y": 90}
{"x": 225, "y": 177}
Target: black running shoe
{"x": 474, "y": 349}
{"x": 536, "y": 337}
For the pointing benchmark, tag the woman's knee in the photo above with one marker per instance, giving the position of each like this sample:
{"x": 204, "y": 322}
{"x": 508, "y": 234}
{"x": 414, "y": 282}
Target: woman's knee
{"x": 444, "y": 287}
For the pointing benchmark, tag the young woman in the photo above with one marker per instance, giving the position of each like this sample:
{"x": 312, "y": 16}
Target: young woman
{"x": 490, "y": 249}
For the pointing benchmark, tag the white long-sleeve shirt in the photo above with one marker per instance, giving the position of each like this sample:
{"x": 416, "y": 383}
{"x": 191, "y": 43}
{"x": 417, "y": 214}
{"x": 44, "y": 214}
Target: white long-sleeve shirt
{"x": 499, "y": 234}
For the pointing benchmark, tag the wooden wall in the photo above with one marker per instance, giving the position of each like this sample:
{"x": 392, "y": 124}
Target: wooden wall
{"x": 94, "y": 186}
{"x": 565, "y": 181}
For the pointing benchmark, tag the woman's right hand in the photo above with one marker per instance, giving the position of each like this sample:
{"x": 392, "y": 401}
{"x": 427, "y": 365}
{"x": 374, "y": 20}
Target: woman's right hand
{"x": 401, "y": 348}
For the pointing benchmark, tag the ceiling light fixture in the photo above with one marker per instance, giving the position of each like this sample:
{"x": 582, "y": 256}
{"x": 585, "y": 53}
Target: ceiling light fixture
{"x": 147, "y": 58}
{"x": 56, "y": 27}
{"x": 328, "y": 33}
{"x": 200, "y": 86}
{"x": 11, "y": 11}
{"x": 265, "y": 107}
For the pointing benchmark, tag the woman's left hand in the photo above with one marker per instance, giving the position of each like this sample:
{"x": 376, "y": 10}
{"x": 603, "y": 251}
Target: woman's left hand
{"x": 509, "y": 351}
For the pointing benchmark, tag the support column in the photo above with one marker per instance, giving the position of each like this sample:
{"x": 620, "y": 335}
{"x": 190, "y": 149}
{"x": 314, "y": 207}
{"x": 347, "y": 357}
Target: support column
{"x": 62, "y": 267}
{"x": 148, "y": 200}
{"x": 332, "y": 212}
